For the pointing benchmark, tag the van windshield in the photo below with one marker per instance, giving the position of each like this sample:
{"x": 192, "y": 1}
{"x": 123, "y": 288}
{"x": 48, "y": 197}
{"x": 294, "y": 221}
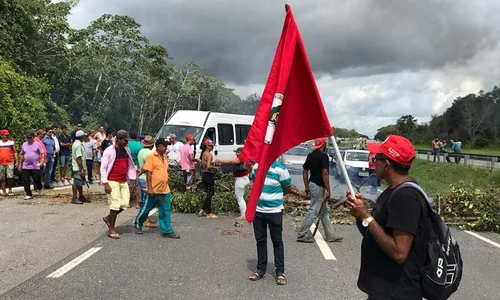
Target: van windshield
{"x": 181, "y": 131}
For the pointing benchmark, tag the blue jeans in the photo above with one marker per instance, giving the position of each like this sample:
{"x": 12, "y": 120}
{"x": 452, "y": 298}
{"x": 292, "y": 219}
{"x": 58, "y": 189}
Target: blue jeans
{"x": 317, "y": 198}
{"x": 141, "y": 183}
{"x": 164, "y": 212}
{"x": 49, "y": 167}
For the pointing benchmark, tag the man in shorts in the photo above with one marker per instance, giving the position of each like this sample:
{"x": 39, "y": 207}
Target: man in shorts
{"x": 117, "y": 168}
{"x": 78, "y": 167}
{"x": 64, "y": 152}
{"x": 8, "y": 157}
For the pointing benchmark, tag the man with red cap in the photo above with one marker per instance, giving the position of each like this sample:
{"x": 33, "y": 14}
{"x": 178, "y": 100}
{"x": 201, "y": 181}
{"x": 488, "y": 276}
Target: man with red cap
{"x": 318, "y": 188}
{"x": 8, "y": 158}
{"x": 187, "y": 161}
{"x": 389, "y": 270}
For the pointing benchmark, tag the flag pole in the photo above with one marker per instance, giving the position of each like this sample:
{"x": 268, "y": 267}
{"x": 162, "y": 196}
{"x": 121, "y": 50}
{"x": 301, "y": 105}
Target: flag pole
{"x": 340, "y": 162}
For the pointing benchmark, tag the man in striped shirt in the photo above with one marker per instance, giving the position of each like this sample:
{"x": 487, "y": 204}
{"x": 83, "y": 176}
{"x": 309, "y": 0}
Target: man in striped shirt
{"x": 270, "y": 214}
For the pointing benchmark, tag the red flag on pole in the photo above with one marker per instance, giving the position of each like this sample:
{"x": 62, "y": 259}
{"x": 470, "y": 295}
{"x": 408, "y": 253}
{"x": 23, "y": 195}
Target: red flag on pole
{"x": 290, "y": 110}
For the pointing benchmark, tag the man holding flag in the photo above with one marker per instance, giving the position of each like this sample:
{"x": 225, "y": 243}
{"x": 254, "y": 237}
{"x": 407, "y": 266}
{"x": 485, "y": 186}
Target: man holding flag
{"x": 290, "y": 112}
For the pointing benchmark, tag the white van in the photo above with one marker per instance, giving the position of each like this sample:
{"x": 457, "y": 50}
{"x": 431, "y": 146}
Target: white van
{"x": 227, "y": 131}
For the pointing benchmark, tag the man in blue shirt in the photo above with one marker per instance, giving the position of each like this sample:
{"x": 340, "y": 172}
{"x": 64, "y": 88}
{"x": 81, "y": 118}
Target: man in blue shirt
{"x": 64, "y": 152}
{"x": 456, "y": 149}
{"x": 50, "y": 147}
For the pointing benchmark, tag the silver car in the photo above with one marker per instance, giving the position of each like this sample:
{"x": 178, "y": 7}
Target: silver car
{"x": 294, "y": 158}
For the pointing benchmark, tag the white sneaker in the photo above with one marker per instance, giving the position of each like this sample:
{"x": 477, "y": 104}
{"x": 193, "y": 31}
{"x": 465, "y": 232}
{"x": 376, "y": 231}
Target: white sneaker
{"x": 28, "y": 198}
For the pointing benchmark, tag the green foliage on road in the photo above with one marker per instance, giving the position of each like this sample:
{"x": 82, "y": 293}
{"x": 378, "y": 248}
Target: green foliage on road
{"x": 466, "y": 196}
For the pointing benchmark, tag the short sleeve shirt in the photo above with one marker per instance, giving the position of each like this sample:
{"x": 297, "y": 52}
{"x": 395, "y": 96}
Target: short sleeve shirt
{"x": 316, "y": 162}
{"x": 186, "y": 162}
{"x": 159, "y": 172}
{"x": 78, "y": 151}
{"x": 141, "y": 158}
{"x": 380, "y": 276}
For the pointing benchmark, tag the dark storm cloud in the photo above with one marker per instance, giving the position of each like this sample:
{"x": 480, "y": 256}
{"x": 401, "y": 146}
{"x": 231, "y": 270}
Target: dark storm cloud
{"x": 236, "y": 40}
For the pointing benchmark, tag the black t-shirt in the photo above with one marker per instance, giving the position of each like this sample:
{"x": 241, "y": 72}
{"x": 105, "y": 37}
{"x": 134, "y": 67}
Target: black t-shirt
{"x": 316, "y": 161}
{"x": 380, "y": 276}
{"x": 105, "y": 144}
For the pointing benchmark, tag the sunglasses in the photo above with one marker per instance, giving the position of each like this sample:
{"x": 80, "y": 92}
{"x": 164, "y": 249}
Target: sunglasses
{"x": 379, "y": 158}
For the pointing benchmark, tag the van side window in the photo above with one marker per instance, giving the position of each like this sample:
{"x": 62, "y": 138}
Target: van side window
{"x": 241, "y": 133}
{"x": 210, "y": 135}
{"x": 226, "y": 134}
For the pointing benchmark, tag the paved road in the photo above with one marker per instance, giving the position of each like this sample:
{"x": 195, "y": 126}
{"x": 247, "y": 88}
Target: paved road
{"x": 472, "y": 162}
{"x": 203, "y": 264}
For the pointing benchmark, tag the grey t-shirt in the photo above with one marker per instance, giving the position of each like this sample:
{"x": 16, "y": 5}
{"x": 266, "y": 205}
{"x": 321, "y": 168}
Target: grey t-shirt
{"x": 90, "y": 146}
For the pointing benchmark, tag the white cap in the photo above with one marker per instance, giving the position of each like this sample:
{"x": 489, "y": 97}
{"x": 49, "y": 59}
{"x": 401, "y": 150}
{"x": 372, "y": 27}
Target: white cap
{"x": 80, "y": 134}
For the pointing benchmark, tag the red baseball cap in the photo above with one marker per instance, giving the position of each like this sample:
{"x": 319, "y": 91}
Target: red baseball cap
{"x": 318, "y": 143}
{"x": 4, "y": 132}
{"x": 208, "y": 143}
{"x": 398, "y": 149}
{"x": 189, "y": 137}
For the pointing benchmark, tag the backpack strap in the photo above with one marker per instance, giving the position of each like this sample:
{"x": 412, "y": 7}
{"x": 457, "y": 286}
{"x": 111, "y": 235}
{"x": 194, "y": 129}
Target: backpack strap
{"x": 410, "y": 184}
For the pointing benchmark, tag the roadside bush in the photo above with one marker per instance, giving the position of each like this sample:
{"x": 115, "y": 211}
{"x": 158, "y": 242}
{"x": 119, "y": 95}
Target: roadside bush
{"x": 470, "y": 207}
{"x": 191, "y": 201}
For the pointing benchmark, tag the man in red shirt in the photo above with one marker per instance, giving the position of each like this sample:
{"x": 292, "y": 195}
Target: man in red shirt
{"x": 373, "y": 148}
{"x": 117, "y": 167}
{"x": 8, "y": 157}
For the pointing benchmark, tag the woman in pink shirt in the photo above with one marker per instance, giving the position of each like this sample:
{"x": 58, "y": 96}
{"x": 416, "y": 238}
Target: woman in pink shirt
{"x": 188, "y": 160}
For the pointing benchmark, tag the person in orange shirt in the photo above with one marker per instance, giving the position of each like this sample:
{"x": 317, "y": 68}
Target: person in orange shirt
{"x": 156, "y": 168}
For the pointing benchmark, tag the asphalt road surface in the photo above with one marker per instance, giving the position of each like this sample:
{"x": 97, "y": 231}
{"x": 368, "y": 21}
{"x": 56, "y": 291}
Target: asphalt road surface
{"x": 211, "y": 261}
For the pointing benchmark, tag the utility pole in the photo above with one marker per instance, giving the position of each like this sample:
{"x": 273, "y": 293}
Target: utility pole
{"x": 199, "y": 101}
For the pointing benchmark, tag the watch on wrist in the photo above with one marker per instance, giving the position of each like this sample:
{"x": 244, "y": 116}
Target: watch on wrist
{"x": 367, "y": 221}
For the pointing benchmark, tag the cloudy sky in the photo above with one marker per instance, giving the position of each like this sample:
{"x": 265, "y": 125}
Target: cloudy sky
{"x": 374, "y": 60}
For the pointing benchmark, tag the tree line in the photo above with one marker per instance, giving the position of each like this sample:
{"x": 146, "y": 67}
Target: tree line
{"x": 474, "y": 119}
{"x": 108, "y": 73}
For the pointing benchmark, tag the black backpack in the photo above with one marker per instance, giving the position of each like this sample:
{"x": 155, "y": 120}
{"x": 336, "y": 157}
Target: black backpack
{"x": 441, "y": 271}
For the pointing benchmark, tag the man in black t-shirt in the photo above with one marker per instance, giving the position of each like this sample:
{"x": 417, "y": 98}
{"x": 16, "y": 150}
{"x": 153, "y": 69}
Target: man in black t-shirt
{"x": 394, "y": 231}
{"x": 318, "y": 187}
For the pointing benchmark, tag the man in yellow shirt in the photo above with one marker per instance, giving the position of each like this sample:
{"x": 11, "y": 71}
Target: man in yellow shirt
{"x": 156, "y": 168}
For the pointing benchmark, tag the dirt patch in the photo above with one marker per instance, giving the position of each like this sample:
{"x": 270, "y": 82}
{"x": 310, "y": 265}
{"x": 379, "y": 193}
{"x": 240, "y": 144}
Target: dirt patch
{"x": 231, "y": 232}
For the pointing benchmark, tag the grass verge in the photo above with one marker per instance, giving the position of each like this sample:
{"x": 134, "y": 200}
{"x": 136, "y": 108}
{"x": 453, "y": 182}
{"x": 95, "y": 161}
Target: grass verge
{"x": 436, "y": 178}
{"x": 486, "y": 151}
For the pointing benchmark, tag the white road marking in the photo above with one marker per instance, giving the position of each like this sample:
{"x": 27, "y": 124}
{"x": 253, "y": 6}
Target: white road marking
{"x": 322, "y": 245}
{"x": 482, "y": 238}
{"x": 75, "y": 262}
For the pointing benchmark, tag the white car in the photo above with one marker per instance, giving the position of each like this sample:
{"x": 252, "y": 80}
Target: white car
{"x": 356, "y": 164}
{"x": 295, "y": 158}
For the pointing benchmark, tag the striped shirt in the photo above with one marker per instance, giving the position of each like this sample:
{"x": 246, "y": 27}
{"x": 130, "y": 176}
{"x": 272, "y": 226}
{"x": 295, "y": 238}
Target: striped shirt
{"x": 277, "y": 178}
{"x": 6, "y": 152}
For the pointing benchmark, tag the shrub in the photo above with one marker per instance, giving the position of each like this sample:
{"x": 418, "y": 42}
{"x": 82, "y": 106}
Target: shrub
{"x": 470, "y": 207}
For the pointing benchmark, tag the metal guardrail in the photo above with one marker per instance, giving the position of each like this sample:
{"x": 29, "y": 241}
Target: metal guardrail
{"x": 466, "y": 155}
{"x": 477, "y": 160}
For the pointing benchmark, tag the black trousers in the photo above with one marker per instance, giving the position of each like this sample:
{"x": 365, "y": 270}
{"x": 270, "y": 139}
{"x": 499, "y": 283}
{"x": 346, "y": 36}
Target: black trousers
{"x": 209, "y": 182}
{"x": 275, "y": 223}
{"x": 90, "y": 166}
{"x": 27, "y": 175}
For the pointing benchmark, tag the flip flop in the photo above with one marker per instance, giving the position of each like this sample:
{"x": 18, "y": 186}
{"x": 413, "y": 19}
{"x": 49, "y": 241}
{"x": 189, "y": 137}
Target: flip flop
{"x": 114, "y": 236}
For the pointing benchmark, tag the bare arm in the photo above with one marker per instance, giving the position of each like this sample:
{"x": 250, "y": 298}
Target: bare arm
{"x": 326, "y": 179}
{"x": 16, "y": 158}
{"x": 305, "y": 177}
{"x": 149, "y": 183}
{"x": 20, "y": 161}
{"x": 396, "y": 247}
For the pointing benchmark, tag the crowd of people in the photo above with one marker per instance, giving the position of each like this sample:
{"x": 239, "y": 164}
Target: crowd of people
{"x": 126, "y": 163}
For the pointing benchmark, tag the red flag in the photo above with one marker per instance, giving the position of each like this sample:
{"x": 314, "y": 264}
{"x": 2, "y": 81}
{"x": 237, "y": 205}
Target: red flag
{"x": 290, "y": 110}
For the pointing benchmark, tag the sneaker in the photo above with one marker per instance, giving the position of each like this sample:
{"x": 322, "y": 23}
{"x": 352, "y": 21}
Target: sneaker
{"x": 85, "y": 200}
{"x": 172, "y": 235}
{"x": 307, "y": 238}
{"x": 334, "y": 239}
{"x": 28, "y": 197}
{"x": 138, "y": 230}
{"x": 48, "y": 187}
{"x": 76, "y": 201}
